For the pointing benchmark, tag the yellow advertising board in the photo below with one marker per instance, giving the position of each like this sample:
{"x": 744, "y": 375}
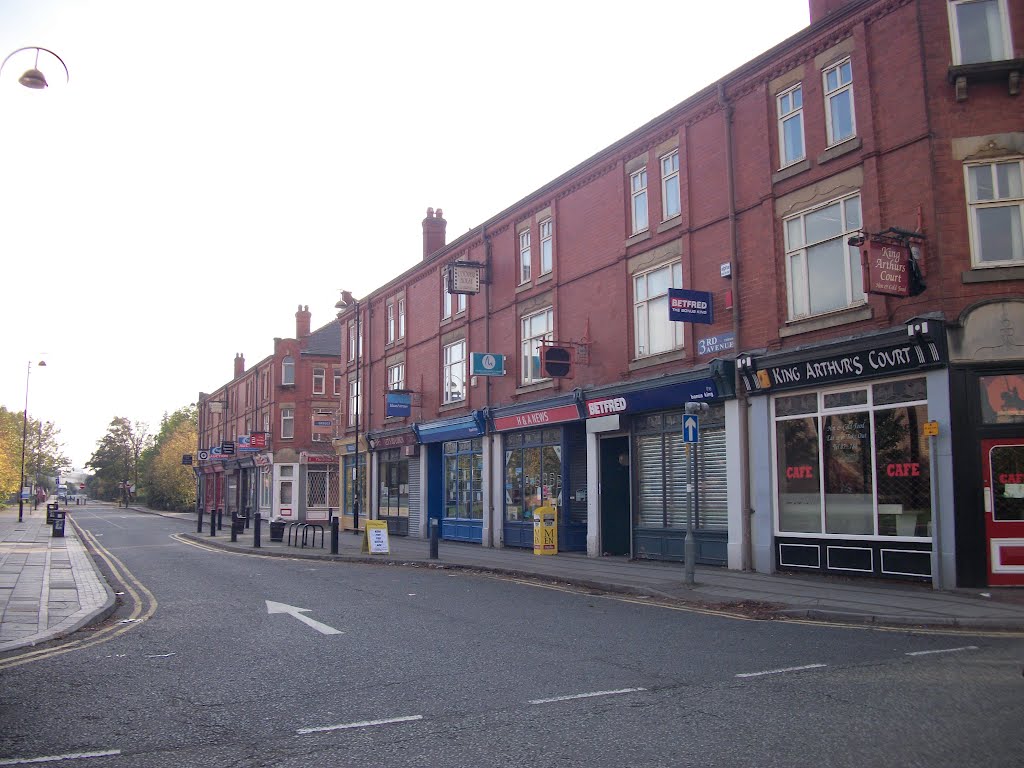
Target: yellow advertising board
{"x": 375, "y": 538}
{"x": 545, "y": 531}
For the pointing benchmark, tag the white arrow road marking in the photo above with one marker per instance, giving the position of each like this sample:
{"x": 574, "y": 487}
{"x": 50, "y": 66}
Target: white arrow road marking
{"x": 323, "y": 629}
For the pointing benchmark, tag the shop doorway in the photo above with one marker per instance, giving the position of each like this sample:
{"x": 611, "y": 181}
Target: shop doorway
{"x": 1002, "y": 464}
{"x": 615, "y": 496}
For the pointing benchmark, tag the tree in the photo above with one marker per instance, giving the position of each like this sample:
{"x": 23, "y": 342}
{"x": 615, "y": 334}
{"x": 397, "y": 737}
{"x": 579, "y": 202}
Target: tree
{"x": 166, "y": 482}
{"x": 116, "y": 458}
{"x": 10, "y": 452}
{"x": 44, "y": 453}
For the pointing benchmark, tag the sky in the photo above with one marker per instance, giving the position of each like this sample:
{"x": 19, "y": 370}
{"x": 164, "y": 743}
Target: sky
{"x": 210, "y": 165}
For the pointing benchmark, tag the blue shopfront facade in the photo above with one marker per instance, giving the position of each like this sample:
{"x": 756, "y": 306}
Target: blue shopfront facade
{"x": 455, "y": 492}
{"x": 544, "y": 455}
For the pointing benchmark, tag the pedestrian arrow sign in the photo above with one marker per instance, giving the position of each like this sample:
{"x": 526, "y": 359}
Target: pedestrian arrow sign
{"x": 691, "y": 429}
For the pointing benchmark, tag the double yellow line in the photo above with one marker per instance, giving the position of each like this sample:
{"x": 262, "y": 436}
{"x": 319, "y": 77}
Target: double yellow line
{"x": 143, "y": 606}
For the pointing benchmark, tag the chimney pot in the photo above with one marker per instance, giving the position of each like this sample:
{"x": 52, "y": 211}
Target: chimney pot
{"x": 433, "y": 232}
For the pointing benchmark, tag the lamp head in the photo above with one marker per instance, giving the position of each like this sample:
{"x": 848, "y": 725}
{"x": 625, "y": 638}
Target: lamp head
{"x": 33, "y": 79}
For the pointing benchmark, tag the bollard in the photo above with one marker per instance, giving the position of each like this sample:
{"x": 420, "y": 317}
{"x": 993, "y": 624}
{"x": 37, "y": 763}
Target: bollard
{"x": 334, "y": 536}
{"x": 213, "y": 522}
{"x": 257, "y": 519}
{"x": 234, "y": 527}
{"x": 220, "y": 519}
{"x": 199, "y": 528}
{"x": 434, "y": 534}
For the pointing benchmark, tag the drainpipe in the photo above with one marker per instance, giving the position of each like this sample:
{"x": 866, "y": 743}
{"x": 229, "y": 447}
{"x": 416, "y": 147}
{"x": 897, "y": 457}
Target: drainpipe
{"x": 491, "y": 538}
{"x": 741, "y": 393}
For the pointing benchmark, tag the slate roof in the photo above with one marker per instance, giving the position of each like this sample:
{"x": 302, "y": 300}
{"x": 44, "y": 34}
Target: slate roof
{"x": 324, "y": 341}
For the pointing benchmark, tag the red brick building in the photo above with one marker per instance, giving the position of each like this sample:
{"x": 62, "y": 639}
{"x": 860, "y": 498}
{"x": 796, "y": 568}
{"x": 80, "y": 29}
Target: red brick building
{"x": 277, "y": 419}
{"x": 886, "y": 134}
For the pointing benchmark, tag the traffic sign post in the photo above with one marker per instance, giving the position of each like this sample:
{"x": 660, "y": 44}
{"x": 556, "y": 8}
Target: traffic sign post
{"x": 691, "y": 436}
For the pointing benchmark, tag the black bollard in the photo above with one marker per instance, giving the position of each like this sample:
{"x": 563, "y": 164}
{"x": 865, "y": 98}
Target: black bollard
{"x": 213, "y": 522}
{"x": 199, "y": 528}
{"x": 334, "y": 536}
{"x": 434, "y": 535}
{"x": 236, "y": 522}
{"x": 220, "y": 519}
{"x": 247, "y": 516}
{"x": 257, "y": 519}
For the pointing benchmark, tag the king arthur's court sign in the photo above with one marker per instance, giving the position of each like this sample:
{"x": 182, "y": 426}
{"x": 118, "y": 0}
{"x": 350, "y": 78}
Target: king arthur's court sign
{"x": 886, "y": 268}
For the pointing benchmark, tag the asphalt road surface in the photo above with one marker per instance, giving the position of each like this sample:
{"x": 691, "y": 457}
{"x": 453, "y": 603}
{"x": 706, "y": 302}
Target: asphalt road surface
{"x": 208, "y": 662}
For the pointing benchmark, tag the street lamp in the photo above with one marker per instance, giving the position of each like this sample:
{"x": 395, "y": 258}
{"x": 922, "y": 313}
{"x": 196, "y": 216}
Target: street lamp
{"x": 24, "y": 439}
{"x": 33, "y": 77}
{"x": 343, "y": 304}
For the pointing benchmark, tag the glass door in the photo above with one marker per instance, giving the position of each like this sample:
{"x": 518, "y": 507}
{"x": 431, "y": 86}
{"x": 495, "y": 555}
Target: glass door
{"x": 1002, "y": 463}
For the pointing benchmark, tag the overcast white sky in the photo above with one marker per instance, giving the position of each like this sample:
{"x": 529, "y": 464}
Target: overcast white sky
{"x": 212, "y": 164}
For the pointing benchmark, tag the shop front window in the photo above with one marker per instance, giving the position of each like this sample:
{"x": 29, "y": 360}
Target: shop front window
{"x": 463, "y": 479}
{"x": 854, "y": 462}
{"x": 533, "y": 473}
{"x": 352, "y": 482}
{"x": 393, "y": 496}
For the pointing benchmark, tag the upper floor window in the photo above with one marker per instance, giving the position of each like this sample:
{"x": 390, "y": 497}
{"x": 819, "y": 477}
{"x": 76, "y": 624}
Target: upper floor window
{"x": 547, "y": 246}
{"x": 453, "y": 303}
{"x": 670, "y": 185}
{"x": 389, "y": 322}
{"x": 791, "y": 125}
{"x": 996, "y": 202}
{"x": 354, "y": 402}
{"x": 525, "y": 263}
{"x": 823, "y": 270}
{"x": 536, "y": 328}
{"x": 655, "y": 333}
{"x": 319, "y": 381}
{"x": 287, "y": 423}
{"x": 266, "y": 384}
{"x": 453, "y": 387}
{"x": 337, "y": 382}
{"x": 401, "y": 318}
{"x": 355, "y": 341}
{"x": 980, "y": 30}
{"x": 396, "y": 376}
{"x": 638, "y": 197}
{"x": 287, "y": 371}
{"x": 838, "y": 80}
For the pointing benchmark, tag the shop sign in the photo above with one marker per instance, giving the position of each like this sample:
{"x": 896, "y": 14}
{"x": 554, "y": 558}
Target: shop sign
{"x": 392, "y": 441}
{"x": 258, "y": 440}
{"x": 690, "y": 306}
{"x": 317, "y": 458}
{"x": 721, "y": 342}
{"x": 397, "y": 404}
{"x": 540, "y": 418}
{"x": 244, "y": 444}
{"x": 881, "y": 361}
{"x": 673, "y": 396}
{"x": 886, "y": 268}
{"x": 486, "y": 364}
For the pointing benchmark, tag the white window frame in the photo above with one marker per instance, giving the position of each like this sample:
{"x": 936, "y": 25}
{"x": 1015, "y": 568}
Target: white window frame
{"x": 447, "y": 305}
{"x": 841, "y": 90}
{"x": 525, "y": 257}
{"x": 670, "y": 182}
{"x": 396, "y": 376}
{"x": 319, "y": 380}
{"x": 1004, "y": 37}
{"x": 1007, "y": 201}
{"x": 648, "y": 308}
{"x": 288, "y": 371}
{"x": 355, "y": 401}
{"x": 797, "y": 272}
{"x": 337, "y": 383}
{"x": 531, "y": 343}
{"x": 788, "y": 113}
{"x": 401, "y": 318}
{"x": 351, "y": 341}
{"x": 287, "y": 423}
{"x": 638, "y": 201}
{"x": 453, "y": 372}
{"x": 547, "y": 245}
{"x": 389, "y": 325}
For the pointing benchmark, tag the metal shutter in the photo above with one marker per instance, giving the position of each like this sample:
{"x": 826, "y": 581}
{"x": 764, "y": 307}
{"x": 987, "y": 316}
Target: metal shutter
{"x": 714, "y": 483}
{"x": 414, "y": 497}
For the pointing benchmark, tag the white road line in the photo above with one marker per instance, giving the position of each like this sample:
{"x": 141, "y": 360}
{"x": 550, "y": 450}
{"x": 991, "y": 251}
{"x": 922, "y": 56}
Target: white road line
{"x": 55, "y": 758}
{"x": 780, "y": 671}
{"x": 362, "y": 724}
{"x": 585, "y": 695}
{"x": 944, "y": 650}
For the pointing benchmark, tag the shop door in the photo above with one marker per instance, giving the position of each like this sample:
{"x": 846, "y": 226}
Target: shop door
{"x": 615, "y": 509}
{"x": 1002, "y": 462}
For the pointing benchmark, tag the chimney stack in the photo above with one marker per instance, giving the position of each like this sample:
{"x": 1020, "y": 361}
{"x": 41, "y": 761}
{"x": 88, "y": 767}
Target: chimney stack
{"x": 239, "y": 364}
{"x": 433, "y": 232}
{"x": 302, "y": 322}
{"x": 822, "y": 8}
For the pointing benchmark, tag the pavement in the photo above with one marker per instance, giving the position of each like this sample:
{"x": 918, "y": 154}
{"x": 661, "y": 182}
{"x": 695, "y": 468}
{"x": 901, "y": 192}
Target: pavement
{"x": 50, "y": 587}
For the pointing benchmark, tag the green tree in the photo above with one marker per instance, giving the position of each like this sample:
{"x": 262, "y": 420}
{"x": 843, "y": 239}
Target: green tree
{"x": 116, "y": 458}
{"x": 10, "y": 453}
{"x": 44, "y": 453}
{"x": 166, "y": 482}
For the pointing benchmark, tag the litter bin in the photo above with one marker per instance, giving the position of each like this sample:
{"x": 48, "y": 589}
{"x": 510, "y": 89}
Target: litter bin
{"x": 51, "y": 509}
{"x": 277, "y": 530}
{"x": 545, "y": 531}
{"x": 58, "y": 523}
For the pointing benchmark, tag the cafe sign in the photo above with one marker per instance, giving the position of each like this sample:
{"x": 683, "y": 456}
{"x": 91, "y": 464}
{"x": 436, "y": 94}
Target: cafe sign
{"x": 886, "y": 268}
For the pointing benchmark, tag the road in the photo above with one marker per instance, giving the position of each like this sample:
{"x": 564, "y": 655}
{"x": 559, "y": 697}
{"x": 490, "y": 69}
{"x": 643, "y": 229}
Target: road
{"x": 398, "y": 666}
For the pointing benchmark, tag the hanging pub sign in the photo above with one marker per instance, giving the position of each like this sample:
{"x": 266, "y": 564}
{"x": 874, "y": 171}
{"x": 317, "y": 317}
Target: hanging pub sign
{"x": 886, "y": 268}
{"x": 397, "y": 404}
{"x": 463, "y": 277}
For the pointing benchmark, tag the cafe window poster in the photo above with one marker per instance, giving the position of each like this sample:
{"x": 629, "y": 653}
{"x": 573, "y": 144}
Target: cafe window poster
{"x": 1002, "y": 398}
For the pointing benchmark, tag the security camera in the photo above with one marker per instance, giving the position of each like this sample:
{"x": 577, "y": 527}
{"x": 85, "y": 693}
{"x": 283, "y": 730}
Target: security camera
{"x": 857, "y": 240}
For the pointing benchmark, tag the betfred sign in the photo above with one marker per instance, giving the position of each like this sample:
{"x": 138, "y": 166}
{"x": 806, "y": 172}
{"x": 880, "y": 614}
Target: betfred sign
{"x": 886, "y": 269}
{"x": 540, "y": 418}
{"x": 690, "y": 306}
